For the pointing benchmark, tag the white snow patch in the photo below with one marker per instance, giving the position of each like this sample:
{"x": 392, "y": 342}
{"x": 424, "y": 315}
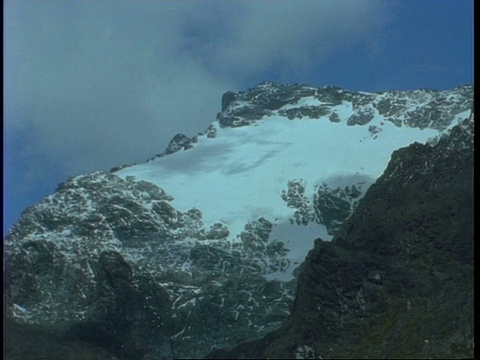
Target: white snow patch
{"x": 239, "y": 175}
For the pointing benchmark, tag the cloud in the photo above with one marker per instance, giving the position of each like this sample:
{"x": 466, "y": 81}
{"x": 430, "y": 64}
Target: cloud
{"x": 93, "y": 84}
{"x": 97, "y": 84}
{"x": 289, "y": 35}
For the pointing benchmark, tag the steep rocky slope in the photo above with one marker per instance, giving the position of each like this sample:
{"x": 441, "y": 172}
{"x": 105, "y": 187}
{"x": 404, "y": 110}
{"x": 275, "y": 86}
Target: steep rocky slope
{"x": 397, "y": 280}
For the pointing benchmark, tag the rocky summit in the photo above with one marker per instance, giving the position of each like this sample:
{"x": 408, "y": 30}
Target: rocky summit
{"x": 201, "y": 251}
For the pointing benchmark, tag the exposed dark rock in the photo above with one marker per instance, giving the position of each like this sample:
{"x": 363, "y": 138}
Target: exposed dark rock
{"x": 334, "y": 117}
{"x": 33, "y": 342}
{"x": 361, "y": 117}
{"x": 397, "y": 280}
{"x": 390, "y": 107}
{"x": 110, "y": 263}
{"x": 118, "y": 168}
{"x": 332, "y": 95}
{"x": 372, "y": 129}
{"x": 312, "y": 112}
{"x": 130, "y": 311}
{"x": 211, "y": 132}
{"x": 217, "y": 231}
{"x": 260, "y": 101}
{"x": 419, "y": 108}
{"x": 334, "y": 206}
{"x": 178, "y": 143}
{"x": 255, "y": 235}
{"x": 227, "y": 99}
{"x": 295, "y": 198}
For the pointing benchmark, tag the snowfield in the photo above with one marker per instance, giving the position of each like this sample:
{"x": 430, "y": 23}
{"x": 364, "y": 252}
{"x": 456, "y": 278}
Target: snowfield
{"x": 239, "y": 175}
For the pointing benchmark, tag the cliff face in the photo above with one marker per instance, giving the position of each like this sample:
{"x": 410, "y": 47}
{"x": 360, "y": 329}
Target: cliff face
{"x": 397, "y": 280}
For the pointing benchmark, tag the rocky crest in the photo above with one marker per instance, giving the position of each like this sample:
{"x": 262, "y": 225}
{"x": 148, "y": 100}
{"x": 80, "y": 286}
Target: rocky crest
{"x": 397, "y": 279}
{"x": 417, "y": 108}
{"x": 413, "y": 108}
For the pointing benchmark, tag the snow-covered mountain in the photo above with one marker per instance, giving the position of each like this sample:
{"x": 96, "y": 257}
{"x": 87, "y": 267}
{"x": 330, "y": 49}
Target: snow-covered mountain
{"x": 298, "y": 157}
{"x": 209, "y": 233}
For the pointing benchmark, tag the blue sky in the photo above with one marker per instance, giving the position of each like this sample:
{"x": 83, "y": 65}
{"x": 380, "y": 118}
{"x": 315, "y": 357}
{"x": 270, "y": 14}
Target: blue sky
{"x": 93, "y": 84}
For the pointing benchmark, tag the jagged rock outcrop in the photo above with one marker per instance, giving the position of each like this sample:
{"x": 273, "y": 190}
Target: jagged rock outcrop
{"x": 417, "y": 108}
{"x": 397, "y": 280}
{"x": 334, "y": 206}
{"x": 330, "y": 206}
{"x": 110, "y": 263}
{"x": 179, "y": 142}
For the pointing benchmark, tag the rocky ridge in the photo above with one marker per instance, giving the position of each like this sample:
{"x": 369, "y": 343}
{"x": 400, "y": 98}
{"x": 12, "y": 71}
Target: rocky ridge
{"x": 68, "y": 252}
{"x": 415, "y": 108}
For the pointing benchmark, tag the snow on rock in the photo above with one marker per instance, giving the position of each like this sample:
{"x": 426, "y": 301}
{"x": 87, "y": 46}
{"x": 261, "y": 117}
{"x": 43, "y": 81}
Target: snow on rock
{"x": 209, "y": 233}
